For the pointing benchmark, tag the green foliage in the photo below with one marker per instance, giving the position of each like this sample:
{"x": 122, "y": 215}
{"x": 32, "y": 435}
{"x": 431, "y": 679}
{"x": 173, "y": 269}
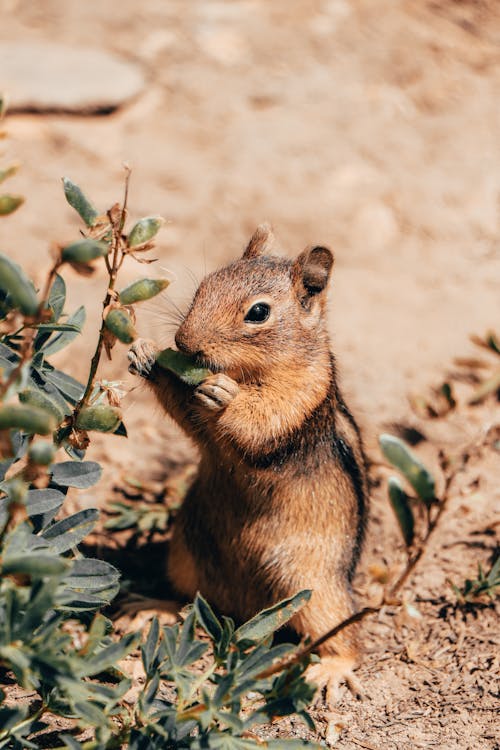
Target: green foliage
{"x": 401, "y": 506}
{"x": 143, "y": 516}
{"x": 484, "y": 586}
{"x": 417, "y": 476}
{"x": 53, "y": 639}
{"x": 16, "y": 285}
{"x": 212, "y": 675}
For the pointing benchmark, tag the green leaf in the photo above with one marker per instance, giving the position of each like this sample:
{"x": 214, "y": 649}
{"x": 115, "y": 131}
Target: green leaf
{"x": 69, "y": 532}
{"x": 269, "y": 620}
{"x": 148, "y": 651}
{"x": 70, "y": 388}
{"x": 189, "y": 649}
{"x": 145, "y": 230}
{"x": 207, "y": 618}
{"x": 19, "y": 287}
{"x": 88, "y": 574}
{"x": 402, "y": 509}
{"x": 41, "y": 601}
{"x": 64, "y": 338}
{"x": 10, "y": 203}
{"x": 90, "y": 713}
{"x": 142, "y": 290}
{"x": 182, "y": 366}
{"x": 259, "y": 659}
{"x": 79, "y": 474}
{"x": 415, "y": 472}
{"x": 79, "y": 202}
{"x": 57, "y": 297}
{"x": 84, "y": 251}
{"x": 493, "y": 577}
{"x": 493, "y": 342}
{"x": 33, "y": 397}
{"x": 35, "y": 565}
{"x": 53, "y": 327}
{"x": 42, "y": 506}
{"x": 108, "y": 656}
{"x": 148, "y": 695}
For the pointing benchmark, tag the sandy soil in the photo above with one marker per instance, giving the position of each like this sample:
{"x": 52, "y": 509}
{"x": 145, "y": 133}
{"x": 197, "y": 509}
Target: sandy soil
{"x": 371, "y": 127}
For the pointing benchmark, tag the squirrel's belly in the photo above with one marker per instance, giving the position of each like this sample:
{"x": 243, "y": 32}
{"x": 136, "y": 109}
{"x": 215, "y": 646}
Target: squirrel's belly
{"x": 248, "y": 547}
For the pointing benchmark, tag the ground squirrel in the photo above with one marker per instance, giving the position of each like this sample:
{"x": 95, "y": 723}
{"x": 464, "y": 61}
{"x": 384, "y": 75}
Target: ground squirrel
{"x": 280, "y": 499}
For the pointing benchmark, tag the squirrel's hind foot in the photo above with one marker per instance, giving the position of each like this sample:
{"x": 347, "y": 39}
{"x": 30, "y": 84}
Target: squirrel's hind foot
{"x": 142, "y": 357}
{"x": 330, "y": 673}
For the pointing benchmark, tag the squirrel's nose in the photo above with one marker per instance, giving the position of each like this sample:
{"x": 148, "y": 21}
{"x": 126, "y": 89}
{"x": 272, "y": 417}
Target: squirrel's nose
{"x": 185, "y": 342}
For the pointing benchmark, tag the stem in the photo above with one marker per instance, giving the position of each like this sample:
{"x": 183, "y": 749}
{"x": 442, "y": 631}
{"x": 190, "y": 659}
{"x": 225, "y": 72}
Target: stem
{"x": 25, "y": 722}
{"x": 112, "y": 267}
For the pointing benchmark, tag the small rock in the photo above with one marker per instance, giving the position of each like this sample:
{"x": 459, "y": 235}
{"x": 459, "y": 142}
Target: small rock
{"x": 50, "y": 77}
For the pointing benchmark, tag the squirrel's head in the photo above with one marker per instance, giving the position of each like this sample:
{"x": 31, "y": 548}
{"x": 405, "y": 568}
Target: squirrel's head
{"x": 259, "y": 311}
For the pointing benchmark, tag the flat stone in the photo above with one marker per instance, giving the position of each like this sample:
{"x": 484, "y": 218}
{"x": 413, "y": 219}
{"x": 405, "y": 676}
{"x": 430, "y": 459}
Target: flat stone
{"x": 50, "y": 77}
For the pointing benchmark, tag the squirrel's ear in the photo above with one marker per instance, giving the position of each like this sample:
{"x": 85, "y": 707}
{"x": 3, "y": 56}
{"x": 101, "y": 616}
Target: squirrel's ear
{"x": 311, "y": 271}
{"x": 261, "y": 241}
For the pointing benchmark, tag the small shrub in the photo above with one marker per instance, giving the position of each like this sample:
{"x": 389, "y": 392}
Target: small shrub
{"x": 53, "y": 638}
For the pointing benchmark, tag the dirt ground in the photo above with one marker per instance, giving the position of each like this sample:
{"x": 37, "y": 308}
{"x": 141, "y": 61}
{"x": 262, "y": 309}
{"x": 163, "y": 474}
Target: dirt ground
{"x": 372, "y": 127}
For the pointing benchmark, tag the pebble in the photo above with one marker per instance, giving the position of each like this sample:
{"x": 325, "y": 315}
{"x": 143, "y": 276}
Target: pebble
{"x": 51, "y": 77}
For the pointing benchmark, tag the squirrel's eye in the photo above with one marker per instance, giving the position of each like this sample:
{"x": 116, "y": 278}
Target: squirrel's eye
{"x": 258, "y": 313}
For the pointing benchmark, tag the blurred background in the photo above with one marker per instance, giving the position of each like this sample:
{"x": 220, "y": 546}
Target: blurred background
{"x": 372, "y": 127}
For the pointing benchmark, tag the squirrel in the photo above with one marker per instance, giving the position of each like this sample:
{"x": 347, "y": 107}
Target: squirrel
{"x": 279, "y": 503}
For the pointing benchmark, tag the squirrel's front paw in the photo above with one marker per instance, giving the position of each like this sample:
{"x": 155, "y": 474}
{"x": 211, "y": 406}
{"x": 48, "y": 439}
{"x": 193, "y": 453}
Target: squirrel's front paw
{"x": 142, "y": 356}
{"x": 217, "y": 391}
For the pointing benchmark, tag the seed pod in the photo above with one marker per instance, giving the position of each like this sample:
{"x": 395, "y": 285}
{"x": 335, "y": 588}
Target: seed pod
{"x": 30, "y": 419}
{"x": 85, "y": 251}
{"x": 144, "y": 230}
{"x": 9, "y": 203}
{"x": 182, "y": 366}
{"x": 33, "y": 397}
{"x": 8, "y": 172}
{"x": 42, "y": 453}
{"x": 79, "y": 202}
{"x": 17, "y": 490}
{"x": 119, "y": 322}
{"x": 101, "y": 418}
{"x": 141, "y": 290}
{"x": 20, "y": 289}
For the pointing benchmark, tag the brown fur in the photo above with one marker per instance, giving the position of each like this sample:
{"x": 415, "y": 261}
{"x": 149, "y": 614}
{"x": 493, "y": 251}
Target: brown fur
{"x": 279, "y": 502}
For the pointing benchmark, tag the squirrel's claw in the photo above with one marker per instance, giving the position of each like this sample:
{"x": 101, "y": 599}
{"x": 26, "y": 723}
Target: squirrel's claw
{"x": 142, "y": 356}
{"x": 217, "y": 391}
{"x": 330, "y": 673}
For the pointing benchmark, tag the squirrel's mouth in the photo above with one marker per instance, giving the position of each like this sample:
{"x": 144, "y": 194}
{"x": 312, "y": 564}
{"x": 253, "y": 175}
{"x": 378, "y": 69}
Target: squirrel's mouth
{"x": 202, "y": 360}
